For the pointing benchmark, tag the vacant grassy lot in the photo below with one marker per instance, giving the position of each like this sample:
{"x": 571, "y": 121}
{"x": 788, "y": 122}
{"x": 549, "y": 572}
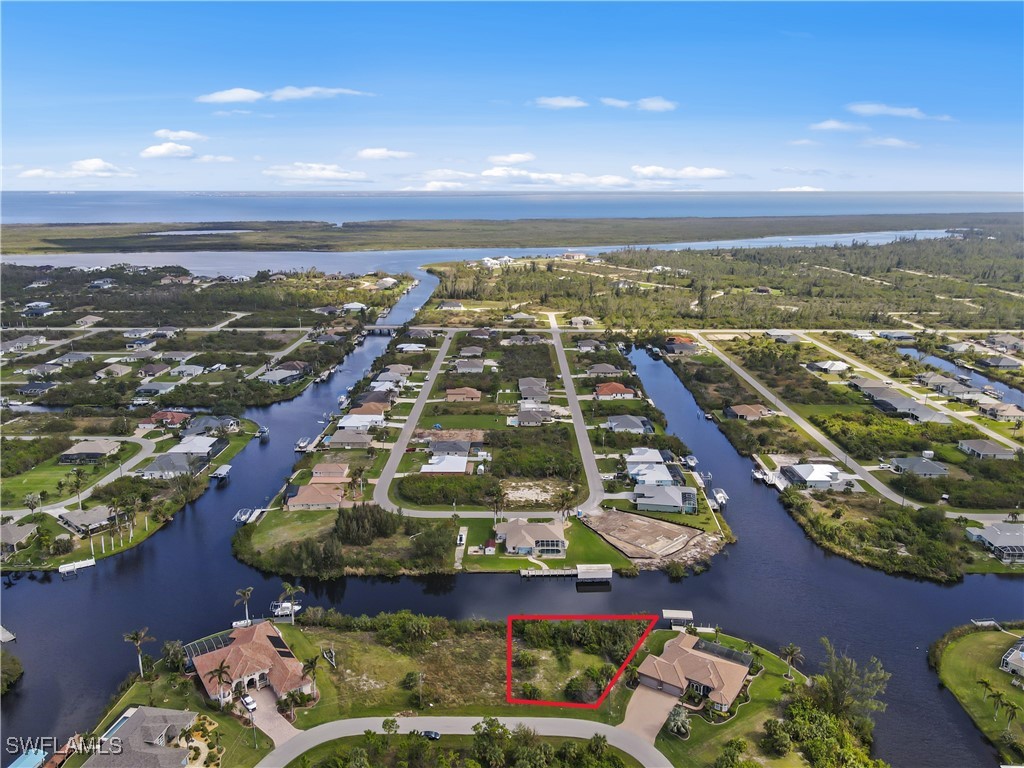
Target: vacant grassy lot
{"x": 47, "y": 474}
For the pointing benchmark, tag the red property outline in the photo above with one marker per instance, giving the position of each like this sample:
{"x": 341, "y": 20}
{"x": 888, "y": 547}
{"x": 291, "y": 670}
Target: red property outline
{"x": 651, "y": 618}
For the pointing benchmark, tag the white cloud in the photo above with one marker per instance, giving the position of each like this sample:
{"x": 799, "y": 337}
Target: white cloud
{"x": 312, "y": 173}
{"x": 689, "y": 172}
{"x": 873, "y": 109}
{"x": 91, "y": 167}
{"x": 381, "y": 153}
{"x": 560, "y": 102}
{"x": 513, "y": 158}
{"x": 799, "y": 189}
{"x": 230, "y": 96}
{"x": 522, "y": 176}
{"x": 655, "y": 104}
{"x": 617, "y": 103}
{"x": 803, "y": 171}
{"x": 436, "y": 186}
{"x": 803, "y": 143}
{"x": 167, "y": 149}
{"x": 891, "y": 143}
{"x": 169, "y": 135}
{"x": 230, "y": 112}
{"x": 215, "y": 159}
{"x": 445, "y": 174}
{"x": 837, "y": 125}
{"x": 291, "y": 92}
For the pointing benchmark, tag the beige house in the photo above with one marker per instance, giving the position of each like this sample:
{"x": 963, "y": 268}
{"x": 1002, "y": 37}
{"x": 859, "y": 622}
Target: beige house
{"x": 113, "y": 371}
{"x": 325, "y": 495}
{"x": 533, "y": 539}
{"x": 746, "y": 412}
{"x": 712, "y": 671}
{"x": 330, "y": 472}
{"x": 463, "y": 395}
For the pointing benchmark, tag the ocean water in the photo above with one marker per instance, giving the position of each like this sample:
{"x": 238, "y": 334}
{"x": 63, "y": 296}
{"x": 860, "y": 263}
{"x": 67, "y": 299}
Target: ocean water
{"x": 339, "y": 207}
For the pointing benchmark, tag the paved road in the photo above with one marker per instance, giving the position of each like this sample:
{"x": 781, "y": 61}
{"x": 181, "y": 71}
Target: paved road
{"x": 148, "y": 446}
{"x": 594, "y": 484}
{"x": 906, "y": 390}
{"x": 628, "y": 742}
{"x": 811, "y": 430}
{"x": 278, "y": 355}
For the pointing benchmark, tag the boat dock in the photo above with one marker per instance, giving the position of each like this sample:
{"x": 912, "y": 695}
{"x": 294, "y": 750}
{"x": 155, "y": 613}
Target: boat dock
{"x": 75, "y": 567}
{"x": 221, "y": 472}
{"x": 6, "y": 635}
{"x": 583, "y": 573}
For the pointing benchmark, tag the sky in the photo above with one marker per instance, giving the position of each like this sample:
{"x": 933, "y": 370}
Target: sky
{"x": 451, "y": 97}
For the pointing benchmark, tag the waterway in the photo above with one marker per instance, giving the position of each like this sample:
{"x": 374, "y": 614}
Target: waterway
{"x": 773, "y": 587}
{"x": 1009, "y": 394}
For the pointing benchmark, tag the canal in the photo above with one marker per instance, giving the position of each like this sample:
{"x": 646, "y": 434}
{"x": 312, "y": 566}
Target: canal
{"x": 774, "y": 586}
{"x": 1007, "y": 393}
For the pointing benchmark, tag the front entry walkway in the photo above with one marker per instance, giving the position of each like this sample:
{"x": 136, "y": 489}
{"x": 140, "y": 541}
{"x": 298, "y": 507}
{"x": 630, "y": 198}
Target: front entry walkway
{"x": 647, "y": 711}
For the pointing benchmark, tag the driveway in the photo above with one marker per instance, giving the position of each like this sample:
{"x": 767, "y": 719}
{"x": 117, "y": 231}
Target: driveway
{"x": 647, "y": 711}
{"x": 269, "y": 720}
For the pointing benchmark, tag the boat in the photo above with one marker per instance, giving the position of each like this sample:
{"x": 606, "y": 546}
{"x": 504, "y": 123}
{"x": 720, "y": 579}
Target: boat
{"x": 655, "y": 352}
{"x": 241, "y": 623}
{"x": 720, "y": 496}
{"x": 243, "y": 515}
{"x": 284, "y": 608}
{"x": 263, "y": 433}
{"x": 302, "y": 444}
{"x": 992, "y": 392}
{"x": 221, "y": 473}
{"x": 342, "y": 401}
{"x": 757, "y": 473}
{"x": 690, "y": 461}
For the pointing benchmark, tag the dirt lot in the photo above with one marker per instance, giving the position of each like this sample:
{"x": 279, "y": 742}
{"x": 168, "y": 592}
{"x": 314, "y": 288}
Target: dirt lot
{"x": 642, "y": 537}
{"x": 472, "y": 435}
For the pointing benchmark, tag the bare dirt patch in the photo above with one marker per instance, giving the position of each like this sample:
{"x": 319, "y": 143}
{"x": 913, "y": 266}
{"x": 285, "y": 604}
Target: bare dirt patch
{"x": 637, "y": 536}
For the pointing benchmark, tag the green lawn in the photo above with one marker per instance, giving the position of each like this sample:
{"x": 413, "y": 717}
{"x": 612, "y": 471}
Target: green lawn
{"x": 46, "y": 475}
{"x": 236, "y": 739}
{"x": 464, "y": 421}
{"x": 281, "y": 527}
{"x": 976, "y": 657}
{"x": 585, "y": 546}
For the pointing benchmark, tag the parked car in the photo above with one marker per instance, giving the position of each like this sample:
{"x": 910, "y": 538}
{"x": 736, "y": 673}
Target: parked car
{"x": 249, "y": 703}
{"x": 885, "y": 466}
{"x": 432, "y": 735}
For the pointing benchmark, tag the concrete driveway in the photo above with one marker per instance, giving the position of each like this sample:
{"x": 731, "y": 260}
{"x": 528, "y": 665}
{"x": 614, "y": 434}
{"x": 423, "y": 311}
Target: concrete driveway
{"x": 647, "y": 711}
{"x": 269, "y": 720}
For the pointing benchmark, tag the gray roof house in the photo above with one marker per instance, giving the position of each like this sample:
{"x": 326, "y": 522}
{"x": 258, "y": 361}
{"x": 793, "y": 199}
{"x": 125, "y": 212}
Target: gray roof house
{"x": 534, "y": 394}
{"x": 165, "y": 466}
{"x": 471, "y": 351}
{"x": 1001, "y": 362}
{"x": 469, "y": 366}
{"x": 589, "y": 345}
{"x": 70, "y": 358}
{"x": 985, "y": 449}
{"x": 635, "y": 425}
{"x": 187, "y": 370}
{"x": 450, "y": 447}
{"x": 155, "y": 388}
{"x": 201, "y": 425}
{"x": 1005, "y": 541}
{"x": 666, "y": 498}
{"x": 603, "y": 369}
{"x": 85, "y": 520}
{"x": 35, "y": 388}
{"x": 145, "y": 738}
{"x": 920, "y": 466}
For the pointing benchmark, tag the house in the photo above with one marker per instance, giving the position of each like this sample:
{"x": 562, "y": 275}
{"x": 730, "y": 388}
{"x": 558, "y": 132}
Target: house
{"x": 661, "y": 498}
{"x": 257, "y": 656}
{"x": 957, "y": 348}
{"x": 385, "y": 283}
{"x": 103, "y": 283}
{"x": 35, "y": 388}
{"x": 155, "y": 388}
{"x": 523, "y": 340}
{"x": 360, "y": 422}
{"x": 167, "y": 418}
{"x": 71, "y": 358}
{"x": 144, "y": 737}
{"x": 187, "y": 371}
{"x": 1006, "y": 341}
{"x": 166, "y": 332}
{"x": 613, "y": 390}
{"x": 38, "y": 309}
{"x": 1013, "y": 659}
{"x": 370, "y": 409}
{"x": 411, "y": 347}
{"x": 420, "y": 333}
{"x": 603, "y": 369}
{"x": 153, "y": 369}
{"x": 330, "y": 472}
{"x": 469, "y": 366}
{"x": 206, "y": 425}
{"x": 1000, "y": 362}
{"x": 1002, "y": 411}
{"x": 896, "y": 335}
{"x": 690, "y": 663}
{"x": 377, "y": 396}
{"x": 574, "y": 256}
{"x": 985, "y": 449}
{"x": 471, "y": 352}
{"x": 299, "y": 366}
{"x": 589, "y": 345}
{"x": 633, "y": 425}
{"x": 532, "y": 539}
{"x": 281, "y": 377}
{"x": 346, "y": 439}
{"x": 683, "y": 348}
{"x": 199, "y": 447}
{"x": 581, "y": 321}
{"x": 828, "y": 366}
{"x": 817, "y": 476}
{"x": 140, "y": 344}
{"x": 331, "y": 311}
{"x": 176, "y": 280}
{"x": 746, "y": 412}
{"x": 14, "y": 537}
{"x": 650, "y": 474}
{"x": 445, "y": 465}
{"x": 520, "y": 317}
{"x": 933, "y": 380}
{"x": 534, "y": 394}
{"x": 113, "y": 371}
{"x": 481, "y": 333}
{"x": 354, "y": 306}
{"x": 462, "y": 395}
{"x": 450, "y": 447}
{"x": 138, "y": 333}
{"x": 45, "y": 369}
{"x": 1004, "y": 540}
{"x": 328, "y": 338}
{"x": 23, "y": 342}
{"x": 451, "y": 306}
{"x": 167, "y": 466}
{"x": 138, "y": 355}
{"x": 327, "y": 495}
{"x": 860, "y": 383}
{"x": 400, "y": 369}
{"x": 89, "y": 452}
{"x": 531, "y": 418}
{"x": 86, "y": 521}
{"x": 920, "y": 466}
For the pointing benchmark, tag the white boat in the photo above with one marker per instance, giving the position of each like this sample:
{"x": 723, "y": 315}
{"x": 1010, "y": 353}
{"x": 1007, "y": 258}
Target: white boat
{"x": 342, "y": 401}
{"x": 241, "y": 623}
{"x": 221, "y": 473}
{"x": 708, "y": 415}
{"x": 757, "y": 473}
{"x": 263, "y": 433}
{"x": 284, "y": 608}
{"x": 690, "y": 461}
{"x": 242, "y": 515}
{"x": 720, "y": 496}
{"x": 302, "y": 444}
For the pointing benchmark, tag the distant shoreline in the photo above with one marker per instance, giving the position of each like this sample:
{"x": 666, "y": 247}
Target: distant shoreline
{"x": 423, "y": 234}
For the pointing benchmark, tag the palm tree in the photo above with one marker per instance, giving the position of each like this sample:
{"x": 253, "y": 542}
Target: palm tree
{"x": 32, "y": 501}
{"x": 137, "y": 638}
{"x": 631, "y": 674}
{"x": 287, "y": 593}
{"x": 75, "y": 482}
{"x": 221, "y": 674}
{"x": 998, "y": 698}
{"x": 986, "y": 686}
{"x": 243, "y": 597}
{"x": 791, "y": 654}
{"x": 1013, "y": 709}
{"x": 309, "y": 669}
{"x": 718, "y": 632}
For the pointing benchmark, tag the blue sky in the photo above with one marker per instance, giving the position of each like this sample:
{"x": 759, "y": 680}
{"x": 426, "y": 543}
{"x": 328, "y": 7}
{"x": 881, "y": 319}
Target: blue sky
{"x": 513, "y": 96}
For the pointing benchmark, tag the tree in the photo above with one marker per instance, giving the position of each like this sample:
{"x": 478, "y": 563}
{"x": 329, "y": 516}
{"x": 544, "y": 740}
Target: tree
{"x": 32, "y": 501}
{"x": 490, "y": 740}
{"x": 75, "y": 481}
{"x": 243, "y": 597}
{"x": 497, "y": 500}
{"x": 998, "y": 699}
{"x": 309, "y": 669}
{"x": 598, "y": 745}
{"x": 288, "y": 592}
{"x": 389, "y": 726}
{"x": 1013, "y": 710}
{"x": 986, "y": 687}
{"x": 845, "y": 689}
{"x": 678, "y": 721}
{"x": 791, "y": 654}
{"x": 776, "y": 740}
{"x": 221, "y": 674}
{"x": 174, "y": 655}
{"x": 137, "y": 638}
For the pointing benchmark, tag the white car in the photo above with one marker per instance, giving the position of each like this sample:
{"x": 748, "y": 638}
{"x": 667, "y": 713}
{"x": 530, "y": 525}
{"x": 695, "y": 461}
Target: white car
{"x": 885, "y": 466}
{"x": 249, "y": 703}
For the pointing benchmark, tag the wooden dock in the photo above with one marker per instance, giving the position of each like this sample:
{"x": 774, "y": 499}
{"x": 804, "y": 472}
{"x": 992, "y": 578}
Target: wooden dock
{"x": 531, "y": 572}
{"x": 74, "y": 568}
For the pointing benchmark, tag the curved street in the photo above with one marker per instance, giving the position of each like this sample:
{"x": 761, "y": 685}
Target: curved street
{"x": 628, "y": 742}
